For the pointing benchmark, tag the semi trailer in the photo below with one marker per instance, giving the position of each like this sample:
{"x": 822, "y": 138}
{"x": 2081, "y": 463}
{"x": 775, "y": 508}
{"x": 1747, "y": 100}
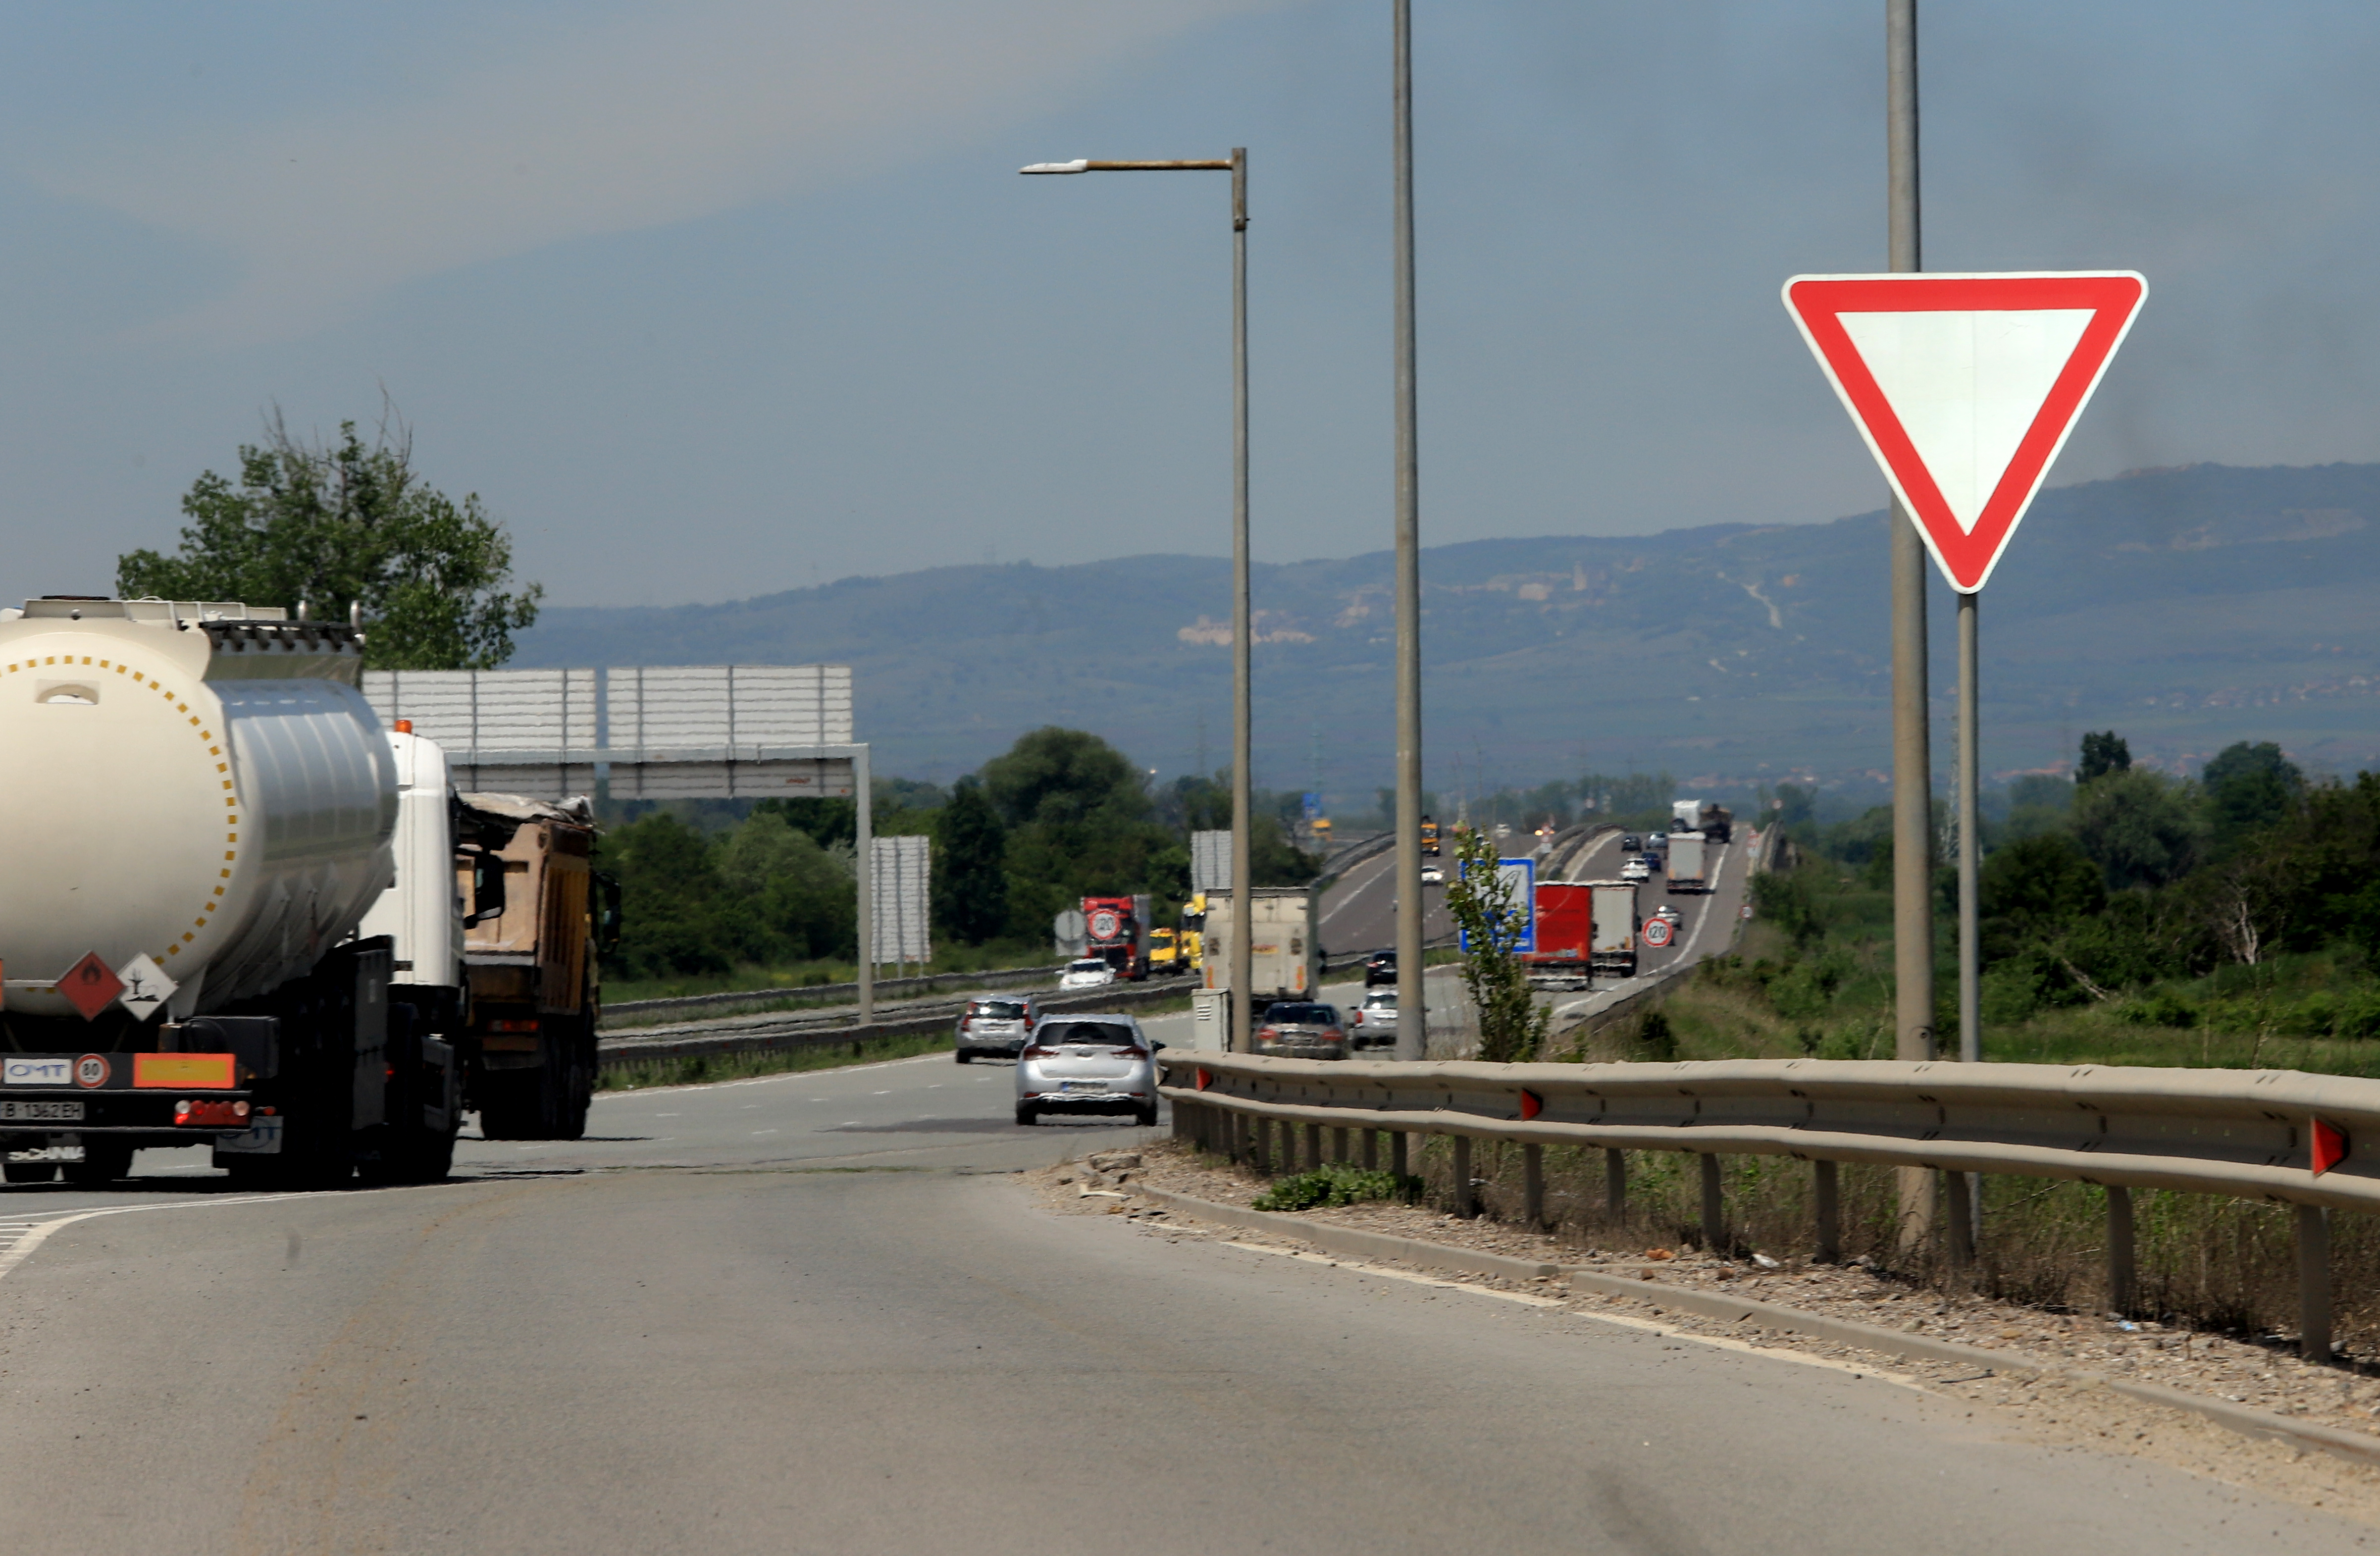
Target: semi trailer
{"x": 1565, "y": 934}
{"x": 234, "y": 915}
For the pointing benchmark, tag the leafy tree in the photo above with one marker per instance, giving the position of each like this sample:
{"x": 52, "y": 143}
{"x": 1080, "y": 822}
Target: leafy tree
{"x": 970, "y": 877}
{"x": 2040, "y": 884}
{"x": 828, "y": 822}
{"x": 1511, "y": 1023}
{"x": 788, "y": 896}
{"x": 335, "y": 523}
{"x": 673, "y": 905}
{"x": 1063, "y": 776}
{"x": 2249, "y": 786}
{"x": 2143, "y": 827}
{"x": 2102, "y": 753}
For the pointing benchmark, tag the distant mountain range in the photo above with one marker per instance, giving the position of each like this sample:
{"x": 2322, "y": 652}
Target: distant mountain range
{"x": 2186, "y": 608}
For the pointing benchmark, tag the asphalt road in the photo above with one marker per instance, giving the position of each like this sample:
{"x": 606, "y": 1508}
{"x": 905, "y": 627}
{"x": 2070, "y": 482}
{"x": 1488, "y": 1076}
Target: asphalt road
{"x": 813, "y": 1313}
{"x": 1360, "y": 913}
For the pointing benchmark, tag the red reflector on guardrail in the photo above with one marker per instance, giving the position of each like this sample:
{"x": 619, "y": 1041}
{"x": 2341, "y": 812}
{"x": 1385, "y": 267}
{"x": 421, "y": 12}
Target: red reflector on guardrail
{"x": 1531, "y": 1105}
{"x": 2329, "y": 1146}
{"x": 1205, "y": 1079}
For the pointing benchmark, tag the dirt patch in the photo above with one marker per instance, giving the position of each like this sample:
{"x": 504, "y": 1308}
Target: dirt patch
{"x": 2063, "y": 1412}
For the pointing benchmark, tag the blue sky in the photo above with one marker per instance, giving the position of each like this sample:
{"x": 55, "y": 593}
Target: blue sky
{"x": 719, "y": 297}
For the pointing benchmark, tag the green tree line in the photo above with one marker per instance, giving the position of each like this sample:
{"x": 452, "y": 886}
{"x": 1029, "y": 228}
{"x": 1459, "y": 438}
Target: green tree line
{"x": 1059, "y": 816}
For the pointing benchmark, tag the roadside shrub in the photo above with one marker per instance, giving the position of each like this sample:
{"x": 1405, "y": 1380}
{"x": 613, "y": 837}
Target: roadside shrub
{"x": 1654, "y": 1040}
{"x": 2159, "y": 1009}
{"x": 1335, "y": 1183}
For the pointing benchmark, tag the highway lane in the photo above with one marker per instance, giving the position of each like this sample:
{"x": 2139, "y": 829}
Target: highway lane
{"x": 929, "y": 1111}
{"x": 691, "y": 1335}
{"x": 1359, "y": 913}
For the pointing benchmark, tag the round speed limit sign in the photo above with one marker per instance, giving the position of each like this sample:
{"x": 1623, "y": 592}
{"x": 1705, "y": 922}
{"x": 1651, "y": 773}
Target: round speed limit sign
{"x": 1656, "y": 933}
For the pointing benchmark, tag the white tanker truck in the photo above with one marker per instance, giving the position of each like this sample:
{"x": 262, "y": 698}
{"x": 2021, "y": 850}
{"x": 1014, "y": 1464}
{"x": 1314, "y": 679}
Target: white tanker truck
{"x": 235, "y": 908}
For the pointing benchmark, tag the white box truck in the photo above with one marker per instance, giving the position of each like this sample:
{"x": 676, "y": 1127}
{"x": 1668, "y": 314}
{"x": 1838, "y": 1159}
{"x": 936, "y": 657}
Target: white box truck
{"x": 1688, "y": 869}
{"x": 1280, "y": 945}
{"x": 1611, "y": 945}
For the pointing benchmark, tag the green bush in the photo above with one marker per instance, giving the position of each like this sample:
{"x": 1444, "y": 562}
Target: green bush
{"x": 2158, "y": 1009}
{"x": 1335, "y": 1183}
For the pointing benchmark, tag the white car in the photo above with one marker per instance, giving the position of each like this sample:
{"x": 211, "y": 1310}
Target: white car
{"x": 1635, "y": 869}
{"x": 1431, "y": 875}
{"x": 1373, "y": 1023}
{"x": 1088, "y": 972}
{"x": 1088, "y": 1063}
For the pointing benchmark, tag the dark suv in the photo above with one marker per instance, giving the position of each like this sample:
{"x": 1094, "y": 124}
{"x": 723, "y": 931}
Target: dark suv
{"x": 1381, "y": 969}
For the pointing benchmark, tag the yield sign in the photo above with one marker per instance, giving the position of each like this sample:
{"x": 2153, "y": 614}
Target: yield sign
{"x": 1964, "y": 387}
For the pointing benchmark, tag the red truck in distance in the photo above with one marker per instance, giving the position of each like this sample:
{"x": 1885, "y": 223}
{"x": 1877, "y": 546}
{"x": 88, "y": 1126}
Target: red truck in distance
{"x": 1116, "y": 930}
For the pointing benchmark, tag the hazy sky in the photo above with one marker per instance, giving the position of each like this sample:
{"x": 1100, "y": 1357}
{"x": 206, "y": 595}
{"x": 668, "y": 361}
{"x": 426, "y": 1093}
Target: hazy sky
{"x": 724, "y": 296}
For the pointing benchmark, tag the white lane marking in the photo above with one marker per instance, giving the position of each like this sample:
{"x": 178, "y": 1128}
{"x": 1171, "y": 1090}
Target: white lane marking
{"x": 763, "y": 1131}
{"x": 675, "y": 1115}
{"x": 1716, "y": 1341}
{"x": 1703, "y": 918}
{"x": 884, "y": 1094}
{"x": 1729, "y": 1343}
{"x": 1522, "y": 1297}
{"x": 19, "y": 1239}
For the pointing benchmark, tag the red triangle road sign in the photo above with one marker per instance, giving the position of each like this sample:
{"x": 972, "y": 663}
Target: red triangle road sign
{"x": 91, "y": 986}
{"x": 1964, "y": 387}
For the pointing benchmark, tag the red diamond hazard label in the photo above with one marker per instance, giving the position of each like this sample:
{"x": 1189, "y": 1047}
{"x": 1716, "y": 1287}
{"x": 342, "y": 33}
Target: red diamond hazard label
{"x": 91, "y": 986}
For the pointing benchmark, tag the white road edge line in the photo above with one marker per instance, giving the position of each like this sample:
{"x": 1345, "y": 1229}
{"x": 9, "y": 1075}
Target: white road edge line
{"x": 33, "y": 1239}
{"x": 1522, "y": 1297}
{"x": 1716, "y": 1341}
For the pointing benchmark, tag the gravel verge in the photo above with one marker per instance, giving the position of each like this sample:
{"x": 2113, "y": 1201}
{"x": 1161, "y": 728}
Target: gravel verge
{"x": 2052, "y": 1377}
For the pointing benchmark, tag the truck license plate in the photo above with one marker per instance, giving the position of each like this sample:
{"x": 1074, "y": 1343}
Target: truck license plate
{"x": 71, "y": 1113}
{"x": 262, "y": 1138}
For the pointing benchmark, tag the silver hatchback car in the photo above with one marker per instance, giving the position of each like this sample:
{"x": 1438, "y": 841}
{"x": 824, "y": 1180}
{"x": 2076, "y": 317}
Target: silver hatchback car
{"x": 1302, "y": 1029}
{"x": 1087, "y": 1064}
{"x": 995, "y": 1026}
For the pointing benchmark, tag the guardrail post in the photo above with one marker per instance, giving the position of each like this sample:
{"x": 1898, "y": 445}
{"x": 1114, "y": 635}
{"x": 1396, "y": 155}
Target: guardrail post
{"x": 1371, "y": 1150}
{"x": 1963, "y": 1222}
{"x": 1615, "y": 1186}
{"x": 1533, "y": 1187}
{"x": 2120, "y": 1249}
{"x": 1339, "y": 1146}
{"x": 1466, "y": 1203}
{"x": 1399, "y": 1149}
{"x": 2314, "y": 1283}
{"x": 1714, "y": 1206}
{"x": 1313, "y": 1148}
{"x": 1827, "y": 1196}
{"x": 1260, "y": 1155}
{"x": 1235, "y": 1125}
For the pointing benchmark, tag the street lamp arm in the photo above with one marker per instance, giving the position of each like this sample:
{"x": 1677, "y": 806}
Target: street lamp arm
{"x": 1084, "y": 164}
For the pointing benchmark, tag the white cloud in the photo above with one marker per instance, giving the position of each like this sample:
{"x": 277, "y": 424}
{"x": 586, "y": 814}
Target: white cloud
{"x": 664, "y": 116}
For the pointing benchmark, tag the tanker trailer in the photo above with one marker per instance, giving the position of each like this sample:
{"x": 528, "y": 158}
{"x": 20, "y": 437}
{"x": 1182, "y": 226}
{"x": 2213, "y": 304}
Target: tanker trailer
{"x": 198, "y": 812}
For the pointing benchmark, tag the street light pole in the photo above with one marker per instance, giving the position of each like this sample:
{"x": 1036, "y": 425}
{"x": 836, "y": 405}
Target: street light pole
{"x": 1913, "y": 771}
{"x": 1412, "y": 928}
{"x": 1241, "y": 968}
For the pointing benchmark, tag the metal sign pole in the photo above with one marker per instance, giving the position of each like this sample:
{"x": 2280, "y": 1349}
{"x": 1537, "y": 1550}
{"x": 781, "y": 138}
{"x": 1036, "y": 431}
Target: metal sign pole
{"x": 1969, "y": 1186}
{"x": 866, "y": 846}
{"x": 1912, "y": 842}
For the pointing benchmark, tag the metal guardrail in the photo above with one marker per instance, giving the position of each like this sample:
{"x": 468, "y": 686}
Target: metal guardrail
{"x": 794, "y": 1030}
{"x": 2275, "y": 1135}
{"x": 831, "y": 993}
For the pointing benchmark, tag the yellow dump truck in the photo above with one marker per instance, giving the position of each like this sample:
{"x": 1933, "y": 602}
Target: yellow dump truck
{"x": 530, "y": 967}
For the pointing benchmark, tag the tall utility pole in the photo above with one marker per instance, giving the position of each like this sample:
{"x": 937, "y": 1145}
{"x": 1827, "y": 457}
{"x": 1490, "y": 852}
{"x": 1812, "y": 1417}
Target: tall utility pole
{"x": 1912, "y": 783}
{"x": 1239, "y": 960}
{"x": 1244, "y": 913}
{"x": 1411, "y": 1016}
